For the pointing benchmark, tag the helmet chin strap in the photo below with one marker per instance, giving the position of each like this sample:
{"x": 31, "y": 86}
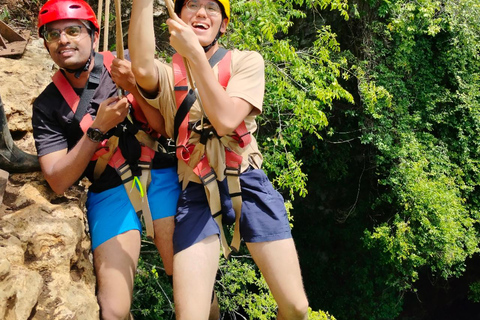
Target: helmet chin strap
{"x": 79, "y": 71}
{"x": 206, "y": 48}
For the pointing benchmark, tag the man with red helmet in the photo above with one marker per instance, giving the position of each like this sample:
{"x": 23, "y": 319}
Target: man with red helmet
{"x": 72, "y": 121}
{"x": 219, "y": 162}
{"x": 57, "y": 10}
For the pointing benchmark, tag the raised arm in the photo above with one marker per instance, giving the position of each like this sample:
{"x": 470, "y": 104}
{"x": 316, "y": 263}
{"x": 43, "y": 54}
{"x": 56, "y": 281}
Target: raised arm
{"x": 122, "y": 75}
{"x": 224, "y": 112}
{"x": 141, "y": 44}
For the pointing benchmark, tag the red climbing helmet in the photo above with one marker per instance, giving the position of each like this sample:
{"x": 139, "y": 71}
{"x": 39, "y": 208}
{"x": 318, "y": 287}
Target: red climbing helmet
{"x": 54, "y": 10}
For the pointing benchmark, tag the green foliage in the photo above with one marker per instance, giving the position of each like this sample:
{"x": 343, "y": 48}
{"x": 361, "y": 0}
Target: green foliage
{"x": 153, "y": 295}
{"x": 319, "y": 315}
{"x": 4, "y": 14}
{"x": 474, "y": 293}
{"x": 243, "y": 290}
{"x": 424, "y": 169}
{"x": 408, "y": 149}
{"x": 300, "y": 82}
{"x": 433, "y": 227}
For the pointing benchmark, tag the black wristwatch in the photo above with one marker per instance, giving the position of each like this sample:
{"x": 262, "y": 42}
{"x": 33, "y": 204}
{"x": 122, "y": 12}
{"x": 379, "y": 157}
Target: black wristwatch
{"x": 95, "y": 134}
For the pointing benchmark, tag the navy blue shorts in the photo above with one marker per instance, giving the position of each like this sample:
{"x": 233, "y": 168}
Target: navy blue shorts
{"x": 111, "y": 213}
{"x": 263, "y": 218}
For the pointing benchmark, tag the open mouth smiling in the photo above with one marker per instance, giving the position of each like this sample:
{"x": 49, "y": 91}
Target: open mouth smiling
{"x": 199, "y": 25}
{"x": 66, "y": 50}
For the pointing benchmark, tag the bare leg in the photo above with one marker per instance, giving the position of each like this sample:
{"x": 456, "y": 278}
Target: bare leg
{"x": 193, "y": 279}
{"x": 164, "y": 241}
{"x": 115, "y": 264}
{"x": 279, "y": 264}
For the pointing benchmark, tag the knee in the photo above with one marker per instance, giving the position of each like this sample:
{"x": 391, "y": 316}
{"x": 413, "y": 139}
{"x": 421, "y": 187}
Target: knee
{"x": 111, "y": 310}
{"x": 295, "y": 311}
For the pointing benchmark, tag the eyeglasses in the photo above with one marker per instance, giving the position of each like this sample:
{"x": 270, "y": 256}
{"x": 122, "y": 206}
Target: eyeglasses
{"x": 212, "y": 8}
{"x": 72, "y": 32}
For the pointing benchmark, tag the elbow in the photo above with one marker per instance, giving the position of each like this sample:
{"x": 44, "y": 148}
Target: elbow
{"x": 58, "y": 190}
{"x": 57, "y": 187}
{"x": 227, "y": 122}
{"x": 224, "y": 129}
{"x": 146, "y": 78}
{"x": 222, "y": 133}
{"x": 142, "y": 73}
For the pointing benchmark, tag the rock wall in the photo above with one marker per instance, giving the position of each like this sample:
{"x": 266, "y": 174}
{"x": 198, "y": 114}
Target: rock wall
{"x": 46, "y": 267}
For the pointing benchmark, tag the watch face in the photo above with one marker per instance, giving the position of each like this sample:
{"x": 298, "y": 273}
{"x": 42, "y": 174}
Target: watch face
{"x": 95, "y": 134}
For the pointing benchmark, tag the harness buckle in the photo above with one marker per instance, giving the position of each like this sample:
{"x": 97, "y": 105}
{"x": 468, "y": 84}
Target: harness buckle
{"x": 232, "y": 171}
{"x": 208, "y": 177}
{"x": 233, "y": 163}
{"x": 243, "y": 135}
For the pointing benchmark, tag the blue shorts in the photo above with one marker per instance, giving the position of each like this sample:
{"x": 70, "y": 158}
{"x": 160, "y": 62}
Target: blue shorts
{"x": 110, "y": 212}
{"x": 263, "y": 218}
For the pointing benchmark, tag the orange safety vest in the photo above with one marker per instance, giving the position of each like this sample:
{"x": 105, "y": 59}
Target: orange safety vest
{"x": 202, "y": 168}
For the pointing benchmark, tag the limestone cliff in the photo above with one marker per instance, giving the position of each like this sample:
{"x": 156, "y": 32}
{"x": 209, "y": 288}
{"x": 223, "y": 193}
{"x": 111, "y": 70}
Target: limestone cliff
{"x": 46, "y": 267}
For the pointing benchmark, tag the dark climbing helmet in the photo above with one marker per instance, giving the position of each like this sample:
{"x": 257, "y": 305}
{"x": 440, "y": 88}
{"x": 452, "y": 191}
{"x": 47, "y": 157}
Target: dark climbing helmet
{"x": 54, "y": 10}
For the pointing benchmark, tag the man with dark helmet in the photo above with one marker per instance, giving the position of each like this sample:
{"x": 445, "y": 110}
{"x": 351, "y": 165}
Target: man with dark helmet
{"x": 73, "y": 119}
{"x": 210, "y": 110}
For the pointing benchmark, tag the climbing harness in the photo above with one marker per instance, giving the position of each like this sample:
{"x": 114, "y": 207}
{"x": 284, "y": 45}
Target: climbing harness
{"x": 194, "y": 154}
{"x": 135, "y": 179}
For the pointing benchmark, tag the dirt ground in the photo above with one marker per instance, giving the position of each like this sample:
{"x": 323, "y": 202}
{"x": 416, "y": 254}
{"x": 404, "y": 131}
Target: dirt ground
{"x": 20, "y": 13}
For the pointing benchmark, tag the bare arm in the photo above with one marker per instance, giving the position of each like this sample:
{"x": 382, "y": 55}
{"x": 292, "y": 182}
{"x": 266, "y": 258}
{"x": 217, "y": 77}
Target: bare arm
{"x": 141, "y": 44}
{"x": 224, "y": 112}
{"x": 61, "y": 168}
{"x": 122, "y": 75}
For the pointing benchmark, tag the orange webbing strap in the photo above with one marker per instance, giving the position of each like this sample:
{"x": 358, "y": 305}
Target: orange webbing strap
{"x": 224, "y": 69}
{"x": 104, "y": 153}
{"x": 181, "y": 91}
{"x": 243, "y": 136}
{"x": 112, "y": 144}
{"x": 123, "y": 170}
{"x": 107, "y": 59}
{"x": 71, "y": 97}
{"x": 138, "y": 190}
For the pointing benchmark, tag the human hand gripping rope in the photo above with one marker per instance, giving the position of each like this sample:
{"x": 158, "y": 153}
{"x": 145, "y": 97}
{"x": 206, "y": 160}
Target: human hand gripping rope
{"x": 139, "y": 183}
{"x": 172, "y": 14}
